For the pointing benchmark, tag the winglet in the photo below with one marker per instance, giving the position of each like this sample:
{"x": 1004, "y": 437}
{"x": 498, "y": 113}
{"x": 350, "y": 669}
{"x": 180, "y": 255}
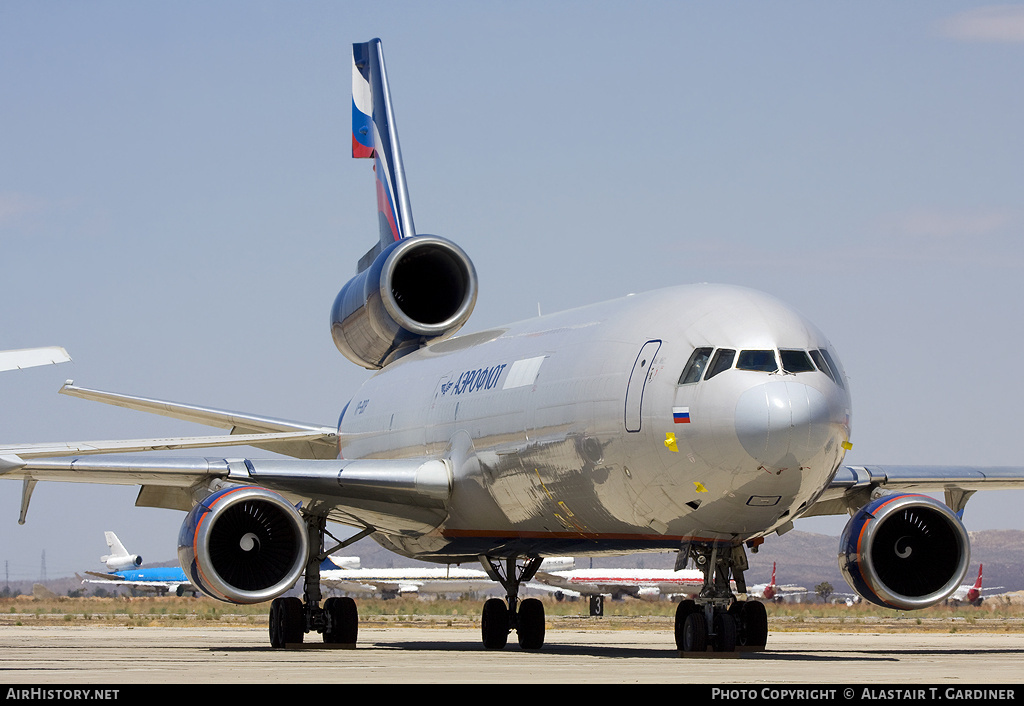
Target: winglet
{"x": 374, "y": 135}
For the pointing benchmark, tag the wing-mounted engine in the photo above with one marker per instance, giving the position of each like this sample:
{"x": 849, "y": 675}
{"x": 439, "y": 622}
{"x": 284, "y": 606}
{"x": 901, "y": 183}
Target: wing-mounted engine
{"x": 417, "y": 290}
{"x": 243, "y": 545}
{"x": 904, "y": 551}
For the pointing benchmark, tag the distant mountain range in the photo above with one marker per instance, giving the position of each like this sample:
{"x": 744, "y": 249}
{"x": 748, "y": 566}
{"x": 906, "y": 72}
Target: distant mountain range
{"x": 802, "y": 558}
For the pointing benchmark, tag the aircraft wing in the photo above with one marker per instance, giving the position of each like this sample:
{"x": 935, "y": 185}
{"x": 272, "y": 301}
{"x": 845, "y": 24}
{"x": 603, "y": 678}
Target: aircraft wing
{"x": 852, "y": 485}
{"x": 546, "y": 588}
{"x": 31, "y": 357}
{"x": 320, "y": 442}
{"x": 347, "y": 585}
{"x": 365, "y": 585}
{"x": 408, "y": 495}
{"x": 14, "y": 454}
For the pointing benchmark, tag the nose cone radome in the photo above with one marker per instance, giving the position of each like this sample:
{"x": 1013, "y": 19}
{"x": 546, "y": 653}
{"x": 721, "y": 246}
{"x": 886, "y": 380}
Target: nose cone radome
{"x": 782, "y": 424}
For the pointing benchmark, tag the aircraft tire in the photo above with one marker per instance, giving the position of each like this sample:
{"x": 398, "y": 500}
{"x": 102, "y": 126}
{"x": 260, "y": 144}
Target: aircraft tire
{"x": 343, "y": 619}
{"x": 530, "y": 624}
{"x": 684, "y": 609}
{"x": 751, "y": 623}
{"x": 695, "y": 633}
{"x": 494, "y": 624}
{"x": 724, "y": 639}
{"x": 287, "y": 623}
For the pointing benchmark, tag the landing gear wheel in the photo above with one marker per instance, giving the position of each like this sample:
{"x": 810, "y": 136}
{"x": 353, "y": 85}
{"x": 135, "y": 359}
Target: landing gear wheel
{"x": 724, "y": 639}
{"x": 751, "y": 623}
{"x": 695, "y": 633}
{"x": 684, "y": 609}
{"x": 494, "y": 624}
{"x": 530, "y": 624}
{"x": 342, "y": 621}
{"x": 287, "y": 622}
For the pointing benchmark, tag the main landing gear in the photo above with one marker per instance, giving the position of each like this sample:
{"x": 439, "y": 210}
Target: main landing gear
{"x": 714, "y": 619}
{"x": 291, "y": 617}
{"x": 502, "y": 616}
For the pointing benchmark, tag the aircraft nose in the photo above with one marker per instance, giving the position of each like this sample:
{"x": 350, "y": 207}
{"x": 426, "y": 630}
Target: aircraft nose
{"x": 783, "y": 423}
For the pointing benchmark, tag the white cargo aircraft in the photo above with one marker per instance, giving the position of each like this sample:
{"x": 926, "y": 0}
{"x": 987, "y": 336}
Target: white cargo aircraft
{"x": 595, "y": 584}
{"x": 339, "y": 574}
{"x": 648, "y": 584}
{"x": 698, "y": 419}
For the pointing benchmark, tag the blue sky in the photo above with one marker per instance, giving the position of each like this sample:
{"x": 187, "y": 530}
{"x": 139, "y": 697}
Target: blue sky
{"x": 178, "y": 206}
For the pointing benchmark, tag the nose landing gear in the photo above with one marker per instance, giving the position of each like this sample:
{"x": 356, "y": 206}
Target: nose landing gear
{"x": 715, "y": 619}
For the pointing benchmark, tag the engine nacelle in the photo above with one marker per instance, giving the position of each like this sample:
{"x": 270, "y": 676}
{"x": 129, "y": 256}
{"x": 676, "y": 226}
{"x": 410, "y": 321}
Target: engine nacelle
{"x": 904, "y": 551}
{"x": 243, "y": 545}
{"x": 417, "y": 290}
{"x": 123, "y": 562}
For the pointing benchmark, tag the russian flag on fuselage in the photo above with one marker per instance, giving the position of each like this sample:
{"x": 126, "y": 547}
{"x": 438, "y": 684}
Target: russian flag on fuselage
{"x": 681, "y": 415}
{"x": 374, "y": 136}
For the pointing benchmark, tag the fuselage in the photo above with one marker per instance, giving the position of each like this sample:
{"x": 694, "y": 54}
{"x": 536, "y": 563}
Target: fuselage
{"x": 615, "y": 427}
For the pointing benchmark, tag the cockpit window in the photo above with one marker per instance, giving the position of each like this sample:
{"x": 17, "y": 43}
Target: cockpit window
{"x": 695, "y": 366}
{"x": 795, "y": 361}
{"x": 721, "y": 362}
{"x": 827, "y": 365}
{"x": 761, "y": 361}
{"x": 819, "y": 361}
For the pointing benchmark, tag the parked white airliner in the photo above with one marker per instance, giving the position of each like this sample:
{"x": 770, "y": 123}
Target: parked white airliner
{"x": 699, "y": 419}
{"x": 337, "y": 574}
{"x": 771, "y": 590}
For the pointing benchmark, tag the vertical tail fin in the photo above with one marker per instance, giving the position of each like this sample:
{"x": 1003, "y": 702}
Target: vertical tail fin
{"x": 374, "y": 135}
{"x": 116, "y": 548}
{"x": 119, "y": 558}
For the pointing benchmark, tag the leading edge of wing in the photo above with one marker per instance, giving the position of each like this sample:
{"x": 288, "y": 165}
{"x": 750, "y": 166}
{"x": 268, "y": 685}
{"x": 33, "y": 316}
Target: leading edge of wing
{"x": 852, "y": 484}
{"x": 13, "y": 456}
{"x": 929, "y": 478}
{"x": 320, "y": 441}
{"x": 406, "y": 495}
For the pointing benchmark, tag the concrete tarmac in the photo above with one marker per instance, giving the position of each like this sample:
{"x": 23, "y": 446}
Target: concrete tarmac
{"x": 110, "y": 655}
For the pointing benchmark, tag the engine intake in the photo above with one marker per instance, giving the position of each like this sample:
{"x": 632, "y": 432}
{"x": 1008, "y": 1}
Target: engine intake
{"x": 417, "y": 290}
{"x": 904, "y": 551}
{"x": 243, "y": 545}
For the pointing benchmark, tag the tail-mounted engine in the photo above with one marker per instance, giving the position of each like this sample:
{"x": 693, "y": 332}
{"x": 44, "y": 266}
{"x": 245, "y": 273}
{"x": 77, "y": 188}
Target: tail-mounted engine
{"x": 419, "y": 289}
{"x": 120, "y": 563}
{"x": 904, "y": 551}
{"x": 243, "y": 545}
